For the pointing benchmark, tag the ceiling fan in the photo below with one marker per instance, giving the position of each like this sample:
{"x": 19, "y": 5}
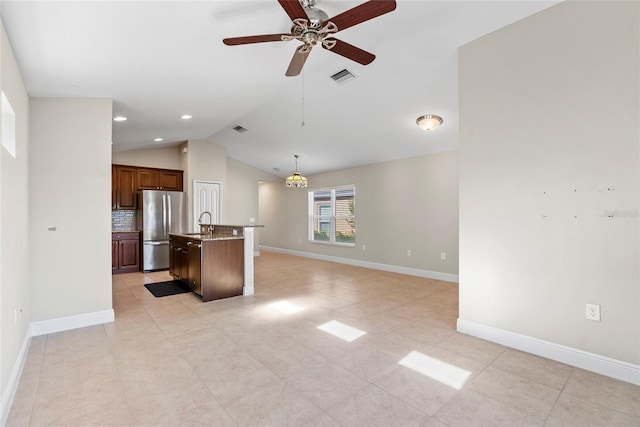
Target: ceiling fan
{"x": 312, "y": 26}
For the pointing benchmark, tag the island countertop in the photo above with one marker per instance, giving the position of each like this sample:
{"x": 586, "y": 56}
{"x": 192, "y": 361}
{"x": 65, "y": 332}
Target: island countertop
{"x": 205, "y": 237}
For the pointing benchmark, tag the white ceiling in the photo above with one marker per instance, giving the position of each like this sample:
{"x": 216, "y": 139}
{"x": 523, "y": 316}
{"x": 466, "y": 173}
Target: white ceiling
{"x": 158, "y": 60}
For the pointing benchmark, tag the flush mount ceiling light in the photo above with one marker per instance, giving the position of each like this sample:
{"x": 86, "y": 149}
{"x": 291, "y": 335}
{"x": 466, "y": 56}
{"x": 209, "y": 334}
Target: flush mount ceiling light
{"x": 296, "y": 180}
{"x": 186, "y": 117}
{"x": 429, "y": 122}
{"x": 158, "y": 140}
{"x": 119, "y": 118}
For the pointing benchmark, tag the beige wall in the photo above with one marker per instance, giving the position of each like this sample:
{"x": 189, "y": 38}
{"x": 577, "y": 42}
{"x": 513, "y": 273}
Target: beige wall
{"x": 70, "y": 185}
{"x": 14, "y": 220}
{"x": 409, "y": 204}
{"x": 549, "y": 122}
{"x": 241, "y": 197}
{"x": 206, "y": 161}
{"x": 162, "y": 157}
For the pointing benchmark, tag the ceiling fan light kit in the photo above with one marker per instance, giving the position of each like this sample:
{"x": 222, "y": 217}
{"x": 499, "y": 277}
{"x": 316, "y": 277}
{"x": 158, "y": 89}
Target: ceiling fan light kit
{"x": 312, "y": 26}
{"x": 296, "y": 180}
{"x": 429, "y": 122}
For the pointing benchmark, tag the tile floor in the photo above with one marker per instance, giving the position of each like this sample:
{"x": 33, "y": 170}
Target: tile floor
{"x": 240, "y": 362}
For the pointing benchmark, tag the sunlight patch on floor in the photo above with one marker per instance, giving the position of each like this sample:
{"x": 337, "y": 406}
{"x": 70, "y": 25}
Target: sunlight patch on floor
{"x": 342, "y": 331}
{"x": 286, "y": 307}
{"x": 436, "y": 369}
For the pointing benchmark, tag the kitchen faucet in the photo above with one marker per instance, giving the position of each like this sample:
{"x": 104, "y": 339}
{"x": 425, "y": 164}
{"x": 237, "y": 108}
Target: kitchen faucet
{"x": 206, "y": 228}
{"x": 202, "y": 214}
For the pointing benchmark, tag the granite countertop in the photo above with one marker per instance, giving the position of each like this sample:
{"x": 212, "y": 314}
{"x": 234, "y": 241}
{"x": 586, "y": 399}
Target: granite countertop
{"x": 236, "y": 225}
{"x": 206, "y": 237}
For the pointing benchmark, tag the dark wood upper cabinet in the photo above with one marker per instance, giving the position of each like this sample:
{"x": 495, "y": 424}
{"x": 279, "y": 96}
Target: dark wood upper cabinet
{"x": 148, "y": 180}
{"x": 126, "y": 181}
{"x": 159, "y": 179}
{"x": 125, "y": 187}
{"x": 171, "y": 180}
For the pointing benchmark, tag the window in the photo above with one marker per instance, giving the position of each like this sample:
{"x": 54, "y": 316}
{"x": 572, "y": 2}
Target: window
{"x": 8, "y": 126}
{"x": 332, "y": 217}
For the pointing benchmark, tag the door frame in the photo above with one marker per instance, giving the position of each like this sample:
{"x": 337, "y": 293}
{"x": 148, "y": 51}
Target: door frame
{"x": 194, "y": 205}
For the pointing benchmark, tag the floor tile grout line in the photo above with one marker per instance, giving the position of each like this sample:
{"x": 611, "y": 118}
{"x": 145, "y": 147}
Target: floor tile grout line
{"x": 119, "y": 375}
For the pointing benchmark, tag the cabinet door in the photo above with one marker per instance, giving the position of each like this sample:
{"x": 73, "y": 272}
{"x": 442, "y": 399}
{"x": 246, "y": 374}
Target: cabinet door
{"x": 171, "y": 180}
{"x": 195, "y": 267}
{"x": 114, "y": 255}
{"x": 176, "y": 267}
{"x": 125, "y": 188}
{"x": 129, "y": 255}
{"x": 184, "y": 264}
{"x": 148, "y": 179}
{"x": 113, "y": 188}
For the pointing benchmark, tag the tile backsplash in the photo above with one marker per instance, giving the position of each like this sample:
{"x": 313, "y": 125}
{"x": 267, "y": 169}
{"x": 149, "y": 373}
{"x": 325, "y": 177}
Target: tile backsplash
{"x": 123, "y": 220}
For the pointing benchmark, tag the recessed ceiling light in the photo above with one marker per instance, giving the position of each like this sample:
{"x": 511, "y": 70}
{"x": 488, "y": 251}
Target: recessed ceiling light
{"x": 119, "y": 118}
{"x": 158, "y": 139}
{"x": 186, "y": 117}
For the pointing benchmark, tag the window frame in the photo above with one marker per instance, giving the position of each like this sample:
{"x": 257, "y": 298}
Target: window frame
{"x": 314, "y": 213}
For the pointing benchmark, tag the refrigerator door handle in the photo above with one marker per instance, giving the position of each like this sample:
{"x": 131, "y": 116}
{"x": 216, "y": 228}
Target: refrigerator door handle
{"x": 169, "y": 205}
{"x": 164, "y": 214}
{"x": 156, "y": 243}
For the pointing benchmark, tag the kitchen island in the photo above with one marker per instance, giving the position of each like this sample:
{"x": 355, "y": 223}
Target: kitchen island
{"x": 216, "y": 263}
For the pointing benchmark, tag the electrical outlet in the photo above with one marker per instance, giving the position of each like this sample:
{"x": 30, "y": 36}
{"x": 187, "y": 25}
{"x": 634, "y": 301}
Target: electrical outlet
{"x": 408, "y": 252}
{"x": 235, "y": 232}
{"x": 443, "y": 255}
{"x": 593, "y": 312}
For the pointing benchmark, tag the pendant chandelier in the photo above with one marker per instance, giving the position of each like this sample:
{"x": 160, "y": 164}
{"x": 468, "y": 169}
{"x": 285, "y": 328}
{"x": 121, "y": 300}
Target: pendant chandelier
{"x": 296, "y": 180}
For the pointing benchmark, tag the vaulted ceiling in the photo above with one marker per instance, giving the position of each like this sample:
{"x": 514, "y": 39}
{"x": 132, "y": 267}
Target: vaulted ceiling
{"x": 159, "y": 60}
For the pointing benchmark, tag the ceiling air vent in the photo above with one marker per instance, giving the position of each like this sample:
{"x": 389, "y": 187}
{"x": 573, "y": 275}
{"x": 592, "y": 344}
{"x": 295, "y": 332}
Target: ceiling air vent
{"x": 239, "y": 129}
{"x": 343, "y": 76}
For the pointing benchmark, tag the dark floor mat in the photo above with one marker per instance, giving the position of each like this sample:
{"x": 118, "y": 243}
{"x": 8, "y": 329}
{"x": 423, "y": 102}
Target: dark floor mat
{"x": 164, "y": 289}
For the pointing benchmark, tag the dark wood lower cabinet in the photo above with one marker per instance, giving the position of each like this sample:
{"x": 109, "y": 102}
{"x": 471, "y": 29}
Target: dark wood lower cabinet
{"x": 178, "y": 260}
{"x": 222, "y": 269}
{"x": 213, "y": 269}
{"x": 125, "y": 252}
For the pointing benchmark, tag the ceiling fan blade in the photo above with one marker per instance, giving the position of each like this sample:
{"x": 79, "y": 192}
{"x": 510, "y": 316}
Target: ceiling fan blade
{"x": 350, "y": 51}
{"x": 364, "y": 12}
{"x": 234, "y": 41}
{"x": 294, "y": 9}
{"x": 297, "y": 62}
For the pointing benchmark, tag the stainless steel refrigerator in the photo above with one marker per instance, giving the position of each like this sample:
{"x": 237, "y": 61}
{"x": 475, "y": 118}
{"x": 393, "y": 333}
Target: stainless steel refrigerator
{"x": 160, "y": 213}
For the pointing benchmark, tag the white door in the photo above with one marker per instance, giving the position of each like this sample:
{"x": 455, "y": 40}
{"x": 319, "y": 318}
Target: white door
{"x": 206, "y": 198}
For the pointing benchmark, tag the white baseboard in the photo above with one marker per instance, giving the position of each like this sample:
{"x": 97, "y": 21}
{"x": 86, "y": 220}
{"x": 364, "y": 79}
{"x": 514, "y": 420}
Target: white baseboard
{"x": 447, "y": 277}
{"x": 44, "y": 327}
{"x": 618, "y": 369}
{"x": 9, "y": 392}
